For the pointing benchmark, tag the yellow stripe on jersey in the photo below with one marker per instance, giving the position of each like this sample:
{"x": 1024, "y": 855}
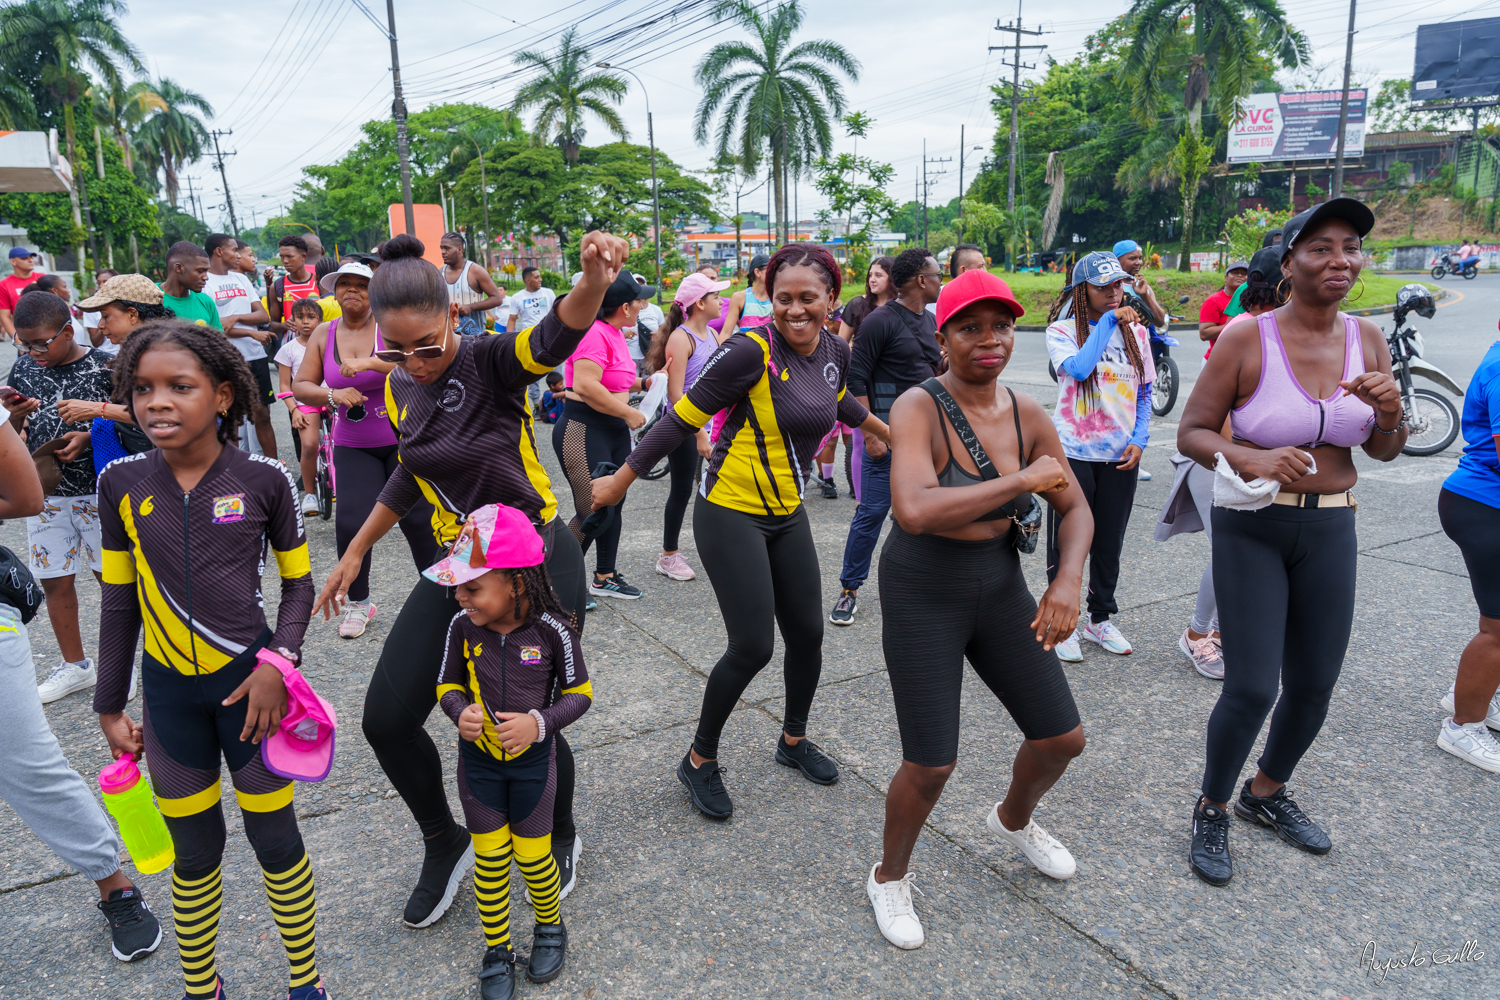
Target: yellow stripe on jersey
{"x": 119, "y": 567}
{"x": 445, "y": 688}
{"x": 524, "y": 355}
{"x": 489, "y": 739}
{"x": 446, "y": 524}
{"x": 295, "y": 564}
{"x": 191, "y": 805}
{"x": 586, "y": 689}
{"x": 167, "y": 636}
{"x": 690, "y": 414}
{"x": 536, "y": 473}
{"x": 266, "y": 802}
{"x": 390, "y": 406}
{"x": 756, "y": 475}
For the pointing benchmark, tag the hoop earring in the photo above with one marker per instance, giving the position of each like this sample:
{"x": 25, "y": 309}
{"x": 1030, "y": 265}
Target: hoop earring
{"x": 1281, "y": 294}
{"x": 1356, "y": 298}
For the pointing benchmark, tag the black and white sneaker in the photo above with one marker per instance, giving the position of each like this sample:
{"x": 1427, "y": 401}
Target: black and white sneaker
{"x": 133, "y": 929}
{"x": 443, "y": 871}
{"x": 830, "y": 491}
{"x": 1283, "y": 815}
{"x": 565, "y": 853}
{"x": 614, "y": 586}
{"x": 844, "y": 608}
{"x": 809, "y": 758}
{"x": 705, "y": 787}
{"x": 1209, "y": 856}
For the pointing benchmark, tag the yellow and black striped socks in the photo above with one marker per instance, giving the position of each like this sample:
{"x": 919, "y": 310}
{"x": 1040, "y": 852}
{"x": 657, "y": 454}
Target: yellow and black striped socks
{"x": 492, "y": 891}
{"x": 543, "y": 881}
{"x": 195, "y": 916}
{"x": 294, "y": 906}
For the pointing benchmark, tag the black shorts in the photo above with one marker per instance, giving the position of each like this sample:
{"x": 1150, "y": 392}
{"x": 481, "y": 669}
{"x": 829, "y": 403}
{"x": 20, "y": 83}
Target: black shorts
{"x": 1475, "y": 529}
{"x": 517, "y": 792}
{"x": 261, "y": 369}
{"x": 977, "y": 606}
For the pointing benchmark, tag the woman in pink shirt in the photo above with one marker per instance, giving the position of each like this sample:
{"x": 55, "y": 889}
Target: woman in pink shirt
{"x": 597, "y": 420}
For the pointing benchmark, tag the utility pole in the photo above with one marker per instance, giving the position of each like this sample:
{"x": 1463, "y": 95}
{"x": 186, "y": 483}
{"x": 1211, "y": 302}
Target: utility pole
{"x": 398, "y": 111}
{"x": 1015, "y": 93}
{"x": 193, "y": 202}
{"x": 1338, "y": 169}
{"x": 228, "y": 201}
{"x": 927, "y": 185}
{"x": 960, "y": 184}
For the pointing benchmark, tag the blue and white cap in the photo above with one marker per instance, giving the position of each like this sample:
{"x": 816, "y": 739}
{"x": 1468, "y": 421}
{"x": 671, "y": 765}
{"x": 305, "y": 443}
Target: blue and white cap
{"x": 1099, "y": 268}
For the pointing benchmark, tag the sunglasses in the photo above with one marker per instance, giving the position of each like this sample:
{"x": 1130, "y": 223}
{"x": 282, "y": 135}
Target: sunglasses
{"x": 43, "y": 346}
{"x": 428, "y": 353}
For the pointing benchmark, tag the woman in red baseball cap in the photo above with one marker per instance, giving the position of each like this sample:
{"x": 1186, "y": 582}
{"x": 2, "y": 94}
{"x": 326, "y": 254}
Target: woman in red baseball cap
{"x": 969, "y": 460}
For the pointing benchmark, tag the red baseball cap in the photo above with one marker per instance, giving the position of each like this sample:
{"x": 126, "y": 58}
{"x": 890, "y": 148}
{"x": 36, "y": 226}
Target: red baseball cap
{"x": 971, "y": 287}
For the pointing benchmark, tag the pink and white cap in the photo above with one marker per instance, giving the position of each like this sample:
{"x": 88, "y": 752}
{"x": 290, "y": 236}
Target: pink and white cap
{"x": 493, "y": 537}
{"x": 695, "y": 286}
{"x": 301, "y": 748}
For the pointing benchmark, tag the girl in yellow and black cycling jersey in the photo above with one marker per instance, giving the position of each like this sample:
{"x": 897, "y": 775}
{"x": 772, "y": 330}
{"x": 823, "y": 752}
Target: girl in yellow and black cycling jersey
{"x": 184, "y": 527}
{"x": 783, "y": 387}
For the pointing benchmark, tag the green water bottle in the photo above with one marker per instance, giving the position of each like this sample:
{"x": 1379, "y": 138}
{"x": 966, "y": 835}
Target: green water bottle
{"x": 129, "y": 800}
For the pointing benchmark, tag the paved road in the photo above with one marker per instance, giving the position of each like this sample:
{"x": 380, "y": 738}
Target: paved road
{"x": 771, "y": 904}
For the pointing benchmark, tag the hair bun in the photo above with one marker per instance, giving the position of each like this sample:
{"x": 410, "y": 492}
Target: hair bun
{"x": 402, "y": 246}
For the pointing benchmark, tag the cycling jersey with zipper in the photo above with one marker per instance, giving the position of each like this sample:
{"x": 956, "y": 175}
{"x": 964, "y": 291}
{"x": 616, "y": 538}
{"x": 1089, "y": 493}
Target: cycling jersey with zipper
{"x": 188, "y": 565}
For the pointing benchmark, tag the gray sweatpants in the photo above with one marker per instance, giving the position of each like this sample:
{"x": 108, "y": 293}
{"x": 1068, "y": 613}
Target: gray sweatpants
{"x": 35, "y": 779}
{"x": 1200, "y": 484}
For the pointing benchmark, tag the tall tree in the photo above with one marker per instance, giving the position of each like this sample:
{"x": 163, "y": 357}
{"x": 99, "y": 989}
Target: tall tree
{"x": 1230, "y": 37}
{"x": 123, "y": 110}
{"x": 769, "y": 94}
{"x": 563, "y": 91}
{"x": 174, "y": 136}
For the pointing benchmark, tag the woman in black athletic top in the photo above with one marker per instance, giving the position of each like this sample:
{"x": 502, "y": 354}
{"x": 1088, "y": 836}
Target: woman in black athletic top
{"x": 466, "y": 439}
{"x": 783, "y": 385}
{"x": 965, "y": 516}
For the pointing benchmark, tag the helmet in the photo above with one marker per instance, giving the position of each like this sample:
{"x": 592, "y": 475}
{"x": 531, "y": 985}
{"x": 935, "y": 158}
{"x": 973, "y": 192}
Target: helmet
{"x": 1417, "y": 299}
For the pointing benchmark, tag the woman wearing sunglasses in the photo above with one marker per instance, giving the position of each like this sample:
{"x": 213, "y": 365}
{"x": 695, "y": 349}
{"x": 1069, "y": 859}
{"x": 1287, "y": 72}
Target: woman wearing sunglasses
{"x": 341, "y": 353}
{"x": 465, "y": 439}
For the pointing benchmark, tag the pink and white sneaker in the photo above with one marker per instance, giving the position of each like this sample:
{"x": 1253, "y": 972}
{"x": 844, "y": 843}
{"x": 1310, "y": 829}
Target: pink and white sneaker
{"x": 1206, "y": 654}
{"x": 357, "y": 618}
{"x": 674, "y": 566}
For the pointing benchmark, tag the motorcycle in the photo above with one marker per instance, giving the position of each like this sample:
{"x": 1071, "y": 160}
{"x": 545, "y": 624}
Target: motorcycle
{"x": 1432, "y": 421}
{"x": 1448, "y": 264}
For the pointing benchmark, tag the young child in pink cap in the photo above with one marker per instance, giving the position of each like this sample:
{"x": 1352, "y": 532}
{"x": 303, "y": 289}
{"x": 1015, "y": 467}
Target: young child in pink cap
{"x": 512, "y": 677}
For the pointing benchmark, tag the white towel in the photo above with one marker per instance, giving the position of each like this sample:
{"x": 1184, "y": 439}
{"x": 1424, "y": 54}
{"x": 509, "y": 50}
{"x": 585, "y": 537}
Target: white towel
{"x": 1234, "y": 493}
{"x": 656, "y": 392}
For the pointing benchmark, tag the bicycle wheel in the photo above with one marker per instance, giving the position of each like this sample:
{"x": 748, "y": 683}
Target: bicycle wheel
{"x": 325, "y": 483}
{"x": 1164, "y": 389}
{"x": 1431, "y": 423}
{"x": 659, "y": 471}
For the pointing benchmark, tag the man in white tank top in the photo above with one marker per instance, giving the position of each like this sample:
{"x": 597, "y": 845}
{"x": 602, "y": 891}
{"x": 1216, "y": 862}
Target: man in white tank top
{"x": 469, "y": 285}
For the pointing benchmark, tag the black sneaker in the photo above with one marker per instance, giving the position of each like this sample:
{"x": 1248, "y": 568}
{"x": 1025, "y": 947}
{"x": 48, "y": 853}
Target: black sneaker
{"x": 443, "y": 870}
{"x": 549, "y": 947}
{"x": 565, "y": 853}
{"x": 809, "y": 758}
{"x": 614, "y": 586}
{"x": 830, "y": 491}
{"x": 497, "y": 977}
{"x": 1209, "y": 856}
{"x": 844, "y": 608}
{"x": 705, "y": 787}
{"x": 133, "y": 929}
{"x": 1284, "y": 816}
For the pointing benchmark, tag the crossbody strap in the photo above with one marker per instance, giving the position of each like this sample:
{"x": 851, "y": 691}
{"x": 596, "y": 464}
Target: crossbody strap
{"x": 962, "y": 429}
{"x": 1015, "y": 411}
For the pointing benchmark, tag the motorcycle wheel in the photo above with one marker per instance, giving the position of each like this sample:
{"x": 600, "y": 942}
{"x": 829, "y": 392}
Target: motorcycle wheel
{"x": 1431, "y": 422}
{"x": 1438, "y": 272}
{"x": 1471, "y": 272}
{"x": 1164, "y": 389}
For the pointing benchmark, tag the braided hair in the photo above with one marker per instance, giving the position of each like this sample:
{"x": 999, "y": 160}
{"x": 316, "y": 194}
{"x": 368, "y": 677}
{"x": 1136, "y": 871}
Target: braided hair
{"x": 539, "y": 593}
{"x": 218, "y": 358}
{"x": 803, "y": 255}
{"x": 1081, "y": 329}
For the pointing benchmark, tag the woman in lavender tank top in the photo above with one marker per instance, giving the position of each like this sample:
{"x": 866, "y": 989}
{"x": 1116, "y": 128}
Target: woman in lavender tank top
{"x": 681, "y": 348}
{"x": 340, "y": 354}
{"x": 1301, "y": 386}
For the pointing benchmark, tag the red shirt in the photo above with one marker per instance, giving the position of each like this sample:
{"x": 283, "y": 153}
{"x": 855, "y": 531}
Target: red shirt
{"x": 1213, "y": 312}
{"x": 10, "y": 289}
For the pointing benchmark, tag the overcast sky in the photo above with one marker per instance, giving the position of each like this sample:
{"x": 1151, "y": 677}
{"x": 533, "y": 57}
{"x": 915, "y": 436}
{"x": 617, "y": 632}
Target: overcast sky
{"x": 294, "y": 79}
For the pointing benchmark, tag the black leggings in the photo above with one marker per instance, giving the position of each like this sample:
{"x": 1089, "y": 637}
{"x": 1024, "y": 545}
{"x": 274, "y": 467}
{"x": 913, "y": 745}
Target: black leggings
{"x": 403, "y": 691}
{"x": 583, "y": 438}
{"x": 1284, "y": 578}
{"x": 360, "y": 474}
{"x": 1110, "y": 493}
{"x": 982, "y": 611}
{"x": 1475, "y": 528}
{"x": 764, "y": 571}
{"x": 683, "y": 461}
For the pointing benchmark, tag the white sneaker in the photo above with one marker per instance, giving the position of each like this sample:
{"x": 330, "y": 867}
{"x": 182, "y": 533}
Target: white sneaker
{"x": 1043, "y": 850}
{"x": 1207, "y": 657}
{"x": 1471, "y": 742}
{"x": 1106, "y": 635}
{"x": 65, "y": 679}
{"x": 1068, "y": 650}
{"x": 309, "y": 504}
{"x": 356, "y": 617}
{"x": 1492, "y": 718}
{"x": 894, "y": 913}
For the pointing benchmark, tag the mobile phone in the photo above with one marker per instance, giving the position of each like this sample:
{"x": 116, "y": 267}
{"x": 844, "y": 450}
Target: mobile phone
{"x": 11, "y": 395}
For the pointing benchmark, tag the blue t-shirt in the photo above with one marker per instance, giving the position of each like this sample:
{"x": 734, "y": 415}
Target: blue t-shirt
{"x": 1478, "y": 474}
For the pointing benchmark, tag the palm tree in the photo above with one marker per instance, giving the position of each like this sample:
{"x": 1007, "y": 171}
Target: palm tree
{"x": 773, "y": 94}
{"x": 1230, "y": 38}
{"x": 175, "y": 136}
{"x": 563, "y": 91}
{"x": 123, "y": 110}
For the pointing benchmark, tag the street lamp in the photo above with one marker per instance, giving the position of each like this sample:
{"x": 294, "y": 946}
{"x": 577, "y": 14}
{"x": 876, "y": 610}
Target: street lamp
{"x": 483, "y": 190}
{"x": 655, "y": 202}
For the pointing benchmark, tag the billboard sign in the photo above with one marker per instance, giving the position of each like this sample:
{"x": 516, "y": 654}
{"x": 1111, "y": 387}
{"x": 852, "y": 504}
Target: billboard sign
{"x": 1457, "y": 59}
{"x": 1296, "y": 125}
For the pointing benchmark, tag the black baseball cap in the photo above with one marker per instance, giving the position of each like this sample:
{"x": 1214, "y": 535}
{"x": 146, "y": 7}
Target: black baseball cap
{"x": 625, "y": 289}
{"x": 1267, "y": 264}
{"x": 1354, "y": 212}
{"x": 1272, "y": 238}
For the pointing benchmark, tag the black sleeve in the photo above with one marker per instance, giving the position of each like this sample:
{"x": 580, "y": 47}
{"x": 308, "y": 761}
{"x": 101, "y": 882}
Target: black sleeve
{"x": 726, "y": 377}
{"x": 511, "y": 361}
{"x": 873, "y": 333}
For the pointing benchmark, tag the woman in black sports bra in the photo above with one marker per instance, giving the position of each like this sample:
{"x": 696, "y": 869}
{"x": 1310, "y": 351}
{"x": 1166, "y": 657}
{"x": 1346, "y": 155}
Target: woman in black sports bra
{"x": 968, "y": 460}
